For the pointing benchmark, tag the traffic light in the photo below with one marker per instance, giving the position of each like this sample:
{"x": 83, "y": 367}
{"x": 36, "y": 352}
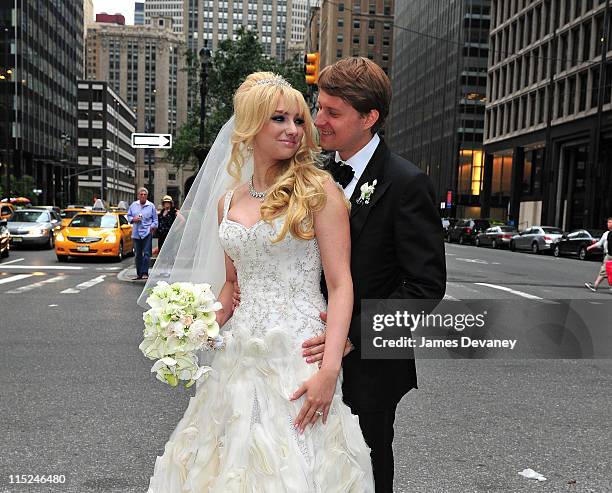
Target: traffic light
{"x": 311, "y": 68}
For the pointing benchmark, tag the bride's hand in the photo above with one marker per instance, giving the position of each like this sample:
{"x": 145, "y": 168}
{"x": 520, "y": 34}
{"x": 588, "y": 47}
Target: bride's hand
{"x": 319, "y": 390}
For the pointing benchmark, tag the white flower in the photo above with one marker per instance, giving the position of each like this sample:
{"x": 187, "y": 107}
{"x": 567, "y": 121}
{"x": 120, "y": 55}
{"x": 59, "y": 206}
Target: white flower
{"x": 366, "y": 192}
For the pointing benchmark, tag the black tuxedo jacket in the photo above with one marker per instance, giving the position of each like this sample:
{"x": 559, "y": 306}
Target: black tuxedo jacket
{"x": 397, "y": 252}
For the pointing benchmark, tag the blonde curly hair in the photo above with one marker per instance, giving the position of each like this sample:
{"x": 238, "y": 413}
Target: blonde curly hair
{"x": 297, "y": 189}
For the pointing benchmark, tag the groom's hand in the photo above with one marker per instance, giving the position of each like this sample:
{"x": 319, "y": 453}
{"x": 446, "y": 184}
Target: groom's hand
{"x": 314, "y": 348}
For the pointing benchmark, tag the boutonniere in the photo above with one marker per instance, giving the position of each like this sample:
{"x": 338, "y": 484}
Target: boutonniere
{"x": 366, "y": 192}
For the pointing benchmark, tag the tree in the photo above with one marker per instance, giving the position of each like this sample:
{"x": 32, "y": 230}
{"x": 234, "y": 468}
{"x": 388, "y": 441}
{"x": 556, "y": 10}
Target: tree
{"x": 229, "y": 66}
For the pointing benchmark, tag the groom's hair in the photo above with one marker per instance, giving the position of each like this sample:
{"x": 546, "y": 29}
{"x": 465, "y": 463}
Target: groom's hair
{"x": 361, "y": 83}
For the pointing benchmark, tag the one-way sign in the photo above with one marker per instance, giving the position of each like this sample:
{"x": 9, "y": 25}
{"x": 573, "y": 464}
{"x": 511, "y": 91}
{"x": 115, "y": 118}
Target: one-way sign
{"x": 151, "y": 141}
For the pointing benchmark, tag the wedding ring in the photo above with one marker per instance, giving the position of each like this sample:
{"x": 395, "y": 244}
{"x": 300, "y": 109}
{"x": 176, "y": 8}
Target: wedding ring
{"x": 319, "y": 412}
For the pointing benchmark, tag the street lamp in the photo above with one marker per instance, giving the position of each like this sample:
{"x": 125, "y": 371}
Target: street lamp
{"x": 204, "y": 64}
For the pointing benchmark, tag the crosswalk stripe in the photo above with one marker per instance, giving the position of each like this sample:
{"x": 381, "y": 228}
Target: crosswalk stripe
{"x": 510, "y": 290}
{"x": 29, "y": 287}
{"x": 15, "y": 278}
{"x": 13, "y": 261}
{"x": 41, "y": 267}
{"x": 84, "y": 285}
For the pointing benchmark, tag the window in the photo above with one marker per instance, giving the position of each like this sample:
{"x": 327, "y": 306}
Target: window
{"x": 172, "y": 176}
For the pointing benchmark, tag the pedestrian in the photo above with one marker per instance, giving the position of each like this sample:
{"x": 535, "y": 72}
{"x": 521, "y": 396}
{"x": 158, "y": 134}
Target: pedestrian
{"x": 143, "y": 217}
{"x": 606, "y": 245}
{"x": 166, "y": 219}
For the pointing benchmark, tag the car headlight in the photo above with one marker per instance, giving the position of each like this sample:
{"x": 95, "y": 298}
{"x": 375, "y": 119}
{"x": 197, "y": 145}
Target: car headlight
{"x": 59, "y": 236}
{"x": 39, "y": 231}
{"x": 110, "y": 238}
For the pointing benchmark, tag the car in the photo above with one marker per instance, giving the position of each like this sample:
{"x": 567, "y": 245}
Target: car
{"x": 496, "y": 236}
{"x": 465, "y": 230}
{"x": 69, "y": 212}
{"x": 6, "y": 210}
{"x": 537, "y": 239}
{"x": 34, "y": 226}
{"x": 576, "y": 242}
{"x": 5, "y": 239}
{"x": 95, "y": 234}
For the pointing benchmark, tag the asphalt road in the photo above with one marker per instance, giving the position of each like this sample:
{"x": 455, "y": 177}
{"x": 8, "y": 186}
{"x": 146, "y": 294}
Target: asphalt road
{"x": 78, "y": 399}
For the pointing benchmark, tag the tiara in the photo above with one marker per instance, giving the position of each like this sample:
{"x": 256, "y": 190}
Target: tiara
{"x": 275, "y": 81}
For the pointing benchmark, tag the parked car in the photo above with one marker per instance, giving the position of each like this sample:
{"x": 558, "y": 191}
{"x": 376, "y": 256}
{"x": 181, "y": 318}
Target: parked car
{"x": 5, "y": 239}
{"x": 34, "y": 226}
{"x": 576, "y": 243}
{"x": 537, "y": 239}
{"x": 95, "y": 234}
{"x": 465, "y": 230}
{"x": 447, "y": 223}
{"x": 496, "y": 236}
{"x": 6, "y": 210}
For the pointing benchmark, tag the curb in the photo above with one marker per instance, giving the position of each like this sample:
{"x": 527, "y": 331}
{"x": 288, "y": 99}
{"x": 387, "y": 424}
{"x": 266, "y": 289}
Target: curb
{"x": 126, "y": 276}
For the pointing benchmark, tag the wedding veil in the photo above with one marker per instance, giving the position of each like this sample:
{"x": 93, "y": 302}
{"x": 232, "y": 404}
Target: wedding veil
{"x": 192, "y": 251}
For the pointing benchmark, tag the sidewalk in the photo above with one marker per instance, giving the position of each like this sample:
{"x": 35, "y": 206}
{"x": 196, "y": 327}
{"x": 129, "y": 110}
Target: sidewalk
{"x": 129, "y": 273}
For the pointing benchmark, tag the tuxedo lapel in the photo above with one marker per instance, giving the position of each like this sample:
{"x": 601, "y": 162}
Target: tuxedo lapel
{"x": 374, "y": 171}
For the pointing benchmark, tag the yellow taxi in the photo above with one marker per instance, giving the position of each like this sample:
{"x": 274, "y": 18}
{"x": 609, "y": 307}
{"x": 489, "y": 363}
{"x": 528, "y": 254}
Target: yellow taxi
{"x": 68, "y": 213}
{"x": 95, "y": 234}
{"x": 6, "y": 210}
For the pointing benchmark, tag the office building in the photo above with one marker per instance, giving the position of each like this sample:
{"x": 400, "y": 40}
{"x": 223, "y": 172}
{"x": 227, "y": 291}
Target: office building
{"x": 107, "y": 161}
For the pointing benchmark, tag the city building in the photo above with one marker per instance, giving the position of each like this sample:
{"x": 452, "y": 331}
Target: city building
{"x": 40, "y": 62}
{"x": 165, "y": 8}
{"x": 358, "y": 28}
{"x": 146, "y": 66}
{"x": 298, "y": 31}
{"x": 139, "y": 13}
{"x": 107, "y": 161}
{"x": 549, "y": 113}
{"x": 88, "y": 14}
{"x": 215, "y": 21}
{"x": 439, "y": 88}
{"x": 111, "y": 18}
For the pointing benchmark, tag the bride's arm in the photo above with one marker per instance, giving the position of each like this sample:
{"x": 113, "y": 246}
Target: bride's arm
{"x": 332, "y": 231}
{"x": 227, "y": 291}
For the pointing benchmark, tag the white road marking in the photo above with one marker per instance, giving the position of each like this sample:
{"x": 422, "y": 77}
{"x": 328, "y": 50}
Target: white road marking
{"x": 463, "y": 287}
{"x": 84, "y": 285}
{"x": 53, "y": 305}
{"x": 12, "y": 261}
{"x": 14, "y": 278}
{"x": 472, "y": 260}
{"x": 448, "y": 297}
{"x": 509, "y": 290}
{"x": 40, "y": 267}
{"x": 40, "y": 284}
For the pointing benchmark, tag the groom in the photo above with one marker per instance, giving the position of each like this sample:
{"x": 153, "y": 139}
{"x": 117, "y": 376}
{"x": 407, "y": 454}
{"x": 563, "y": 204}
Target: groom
{"x": 396, "y": 241}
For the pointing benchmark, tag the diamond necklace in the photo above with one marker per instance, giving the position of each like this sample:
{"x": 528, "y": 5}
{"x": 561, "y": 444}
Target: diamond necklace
{"x": 254, "y": 193}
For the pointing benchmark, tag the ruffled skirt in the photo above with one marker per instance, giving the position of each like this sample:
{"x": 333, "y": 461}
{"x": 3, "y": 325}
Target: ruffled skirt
{"x": 237, "y": 434}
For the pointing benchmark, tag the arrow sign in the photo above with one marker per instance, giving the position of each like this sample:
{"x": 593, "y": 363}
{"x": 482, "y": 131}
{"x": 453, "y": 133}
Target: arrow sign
{"x": 151, "y": 141}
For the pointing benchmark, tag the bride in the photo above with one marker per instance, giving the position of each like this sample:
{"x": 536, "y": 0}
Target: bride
{"x": 264, "y": 420}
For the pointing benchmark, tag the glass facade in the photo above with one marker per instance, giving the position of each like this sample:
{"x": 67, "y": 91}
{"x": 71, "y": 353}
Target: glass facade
{"x": 41, "y": 53}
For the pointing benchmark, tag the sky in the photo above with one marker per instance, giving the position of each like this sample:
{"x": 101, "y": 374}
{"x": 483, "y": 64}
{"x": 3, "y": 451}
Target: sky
{"x": 125, "y": 7}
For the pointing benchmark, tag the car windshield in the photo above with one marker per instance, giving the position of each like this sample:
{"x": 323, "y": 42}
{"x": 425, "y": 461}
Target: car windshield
{"x": 507, "y": 229}
{"x": 595, "y": 233}
{"x": 29, "y": 217}
{"x": 552, "y": 231}
{"x": 69, "y": 214}
{"x": 94, "y": 221}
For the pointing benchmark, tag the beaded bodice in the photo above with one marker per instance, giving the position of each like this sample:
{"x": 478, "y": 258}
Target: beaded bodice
{"x": 279, "y": 282}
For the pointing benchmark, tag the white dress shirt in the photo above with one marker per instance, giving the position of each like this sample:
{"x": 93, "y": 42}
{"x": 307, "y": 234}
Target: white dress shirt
{"x": 358, "y": 162}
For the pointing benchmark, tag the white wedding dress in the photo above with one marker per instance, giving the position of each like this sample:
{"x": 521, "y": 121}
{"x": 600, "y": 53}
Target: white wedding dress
{"x": 237, "y": 434}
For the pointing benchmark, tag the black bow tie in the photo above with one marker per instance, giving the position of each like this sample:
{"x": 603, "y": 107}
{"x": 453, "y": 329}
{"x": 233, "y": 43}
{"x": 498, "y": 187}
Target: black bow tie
{"x": 341, "y": 172}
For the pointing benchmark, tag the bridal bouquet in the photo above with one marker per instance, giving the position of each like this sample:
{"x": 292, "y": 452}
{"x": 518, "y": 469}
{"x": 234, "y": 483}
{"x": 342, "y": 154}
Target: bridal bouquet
{"x": 181, "y": 321}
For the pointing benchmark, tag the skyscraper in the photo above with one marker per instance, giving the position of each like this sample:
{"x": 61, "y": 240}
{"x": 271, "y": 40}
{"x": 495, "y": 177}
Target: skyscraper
{"x": 139, "y": 13}
{"x": 439, "y": 85}
{"x": 357, "y": 28}
{"x": 165, "y": 8}
{"x": 549, "y": 113}
{"x": 146, "y": 66}
{"x": 40, "y": 64}
{"x": 215, "y": 21}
